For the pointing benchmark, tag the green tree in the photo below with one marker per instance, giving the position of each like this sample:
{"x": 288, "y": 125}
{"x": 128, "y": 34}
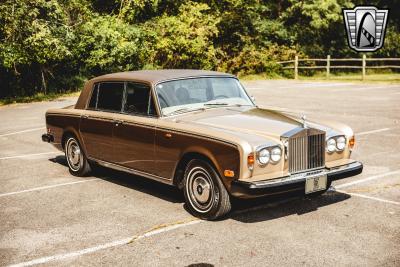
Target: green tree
{"x": 185, "y": 40}
{"x": 108, "y": 44}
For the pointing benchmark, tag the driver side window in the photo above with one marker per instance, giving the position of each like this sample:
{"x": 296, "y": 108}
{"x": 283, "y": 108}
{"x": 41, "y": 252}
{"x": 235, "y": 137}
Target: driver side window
{"x": 138, "y": 99}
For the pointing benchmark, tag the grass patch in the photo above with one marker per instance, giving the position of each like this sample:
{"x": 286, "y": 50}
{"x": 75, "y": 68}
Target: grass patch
{"x": 260, "y": 76}
{"x": 356, "y": 77}
{"x": 39, "y": 97}
{"x": 321, "y": 76}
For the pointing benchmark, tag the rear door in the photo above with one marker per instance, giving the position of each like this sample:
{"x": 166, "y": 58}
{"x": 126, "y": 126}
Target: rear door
{"x": 97, "y": 122}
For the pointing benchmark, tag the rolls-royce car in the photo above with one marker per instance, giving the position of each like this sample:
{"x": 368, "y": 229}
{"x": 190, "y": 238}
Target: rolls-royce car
{"x": 201, "y": 132}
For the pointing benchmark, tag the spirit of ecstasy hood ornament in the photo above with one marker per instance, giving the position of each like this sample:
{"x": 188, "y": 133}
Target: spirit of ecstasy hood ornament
{"x": 303, "y": 118}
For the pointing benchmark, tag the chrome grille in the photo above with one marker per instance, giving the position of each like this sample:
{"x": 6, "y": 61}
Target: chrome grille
{"x": 306, "y": 152}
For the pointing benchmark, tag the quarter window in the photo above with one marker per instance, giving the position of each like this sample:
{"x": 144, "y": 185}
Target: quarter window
{"x": 93, "y": 99}
{"x": 110, "y": 96}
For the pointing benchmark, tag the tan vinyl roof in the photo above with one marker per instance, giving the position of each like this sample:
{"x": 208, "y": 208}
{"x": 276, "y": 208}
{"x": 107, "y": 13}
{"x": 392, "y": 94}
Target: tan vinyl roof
{"x": 155, "y": 76}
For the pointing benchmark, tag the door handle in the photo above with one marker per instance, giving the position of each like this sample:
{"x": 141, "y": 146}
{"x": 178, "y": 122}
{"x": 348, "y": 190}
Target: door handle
{"x": 168, "y": 135}
{"x": 118, "y": 122}
{"x": 84, "y": 116}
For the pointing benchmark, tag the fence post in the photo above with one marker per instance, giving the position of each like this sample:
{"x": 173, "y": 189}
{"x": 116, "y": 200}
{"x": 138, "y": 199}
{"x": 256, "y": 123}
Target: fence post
{"x": 296, "y": 67}
{"x": 364, "y": 64}
{"x": 328, "y": 66}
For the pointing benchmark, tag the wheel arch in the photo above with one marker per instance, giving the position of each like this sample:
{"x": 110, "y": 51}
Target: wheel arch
{"x": 70, "y": 132}
{"x": 186, "y": 158}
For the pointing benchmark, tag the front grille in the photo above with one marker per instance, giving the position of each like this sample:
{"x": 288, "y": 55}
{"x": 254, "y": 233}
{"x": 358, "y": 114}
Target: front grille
{"x": 306, "y": 152}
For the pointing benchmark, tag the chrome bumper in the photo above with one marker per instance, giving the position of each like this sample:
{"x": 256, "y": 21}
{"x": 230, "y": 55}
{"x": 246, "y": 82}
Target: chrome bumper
{"x": 294, "y": 182}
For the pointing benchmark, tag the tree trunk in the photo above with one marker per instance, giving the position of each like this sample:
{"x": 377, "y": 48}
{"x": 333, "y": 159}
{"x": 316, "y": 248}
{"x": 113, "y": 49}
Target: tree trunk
{"x": 44, "y": 86}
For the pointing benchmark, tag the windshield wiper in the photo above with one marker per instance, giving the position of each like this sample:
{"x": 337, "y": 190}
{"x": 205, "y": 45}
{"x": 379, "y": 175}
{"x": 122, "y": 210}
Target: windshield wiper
{"x": 240, "y": 105}
{"x": 182, "y": 110}
{"x": 226, "y": 104}
{"x": 216, "y": 104}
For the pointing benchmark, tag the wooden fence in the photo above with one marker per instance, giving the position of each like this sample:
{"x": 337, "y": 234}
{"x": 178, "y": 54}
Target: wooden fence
{"x": 328, "y": 66}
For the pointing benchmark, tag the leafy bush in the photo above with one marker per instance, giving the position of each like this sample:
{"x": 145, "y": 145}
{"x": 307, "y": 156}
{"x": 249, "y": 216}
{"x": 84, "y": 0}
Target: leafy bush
{"x": 252, "y": 60}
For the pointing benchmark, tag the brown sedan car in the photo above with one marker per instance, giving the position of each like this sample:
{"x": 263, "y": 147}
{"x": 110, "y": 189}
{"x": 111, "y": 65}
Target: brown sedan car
{"x": 200, "y": 131}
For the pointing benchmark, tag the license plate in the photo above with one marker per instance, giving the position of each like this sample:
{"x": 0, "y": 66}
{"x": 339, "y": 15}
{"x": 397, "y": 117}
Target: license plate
{"x": 317, "y": 183}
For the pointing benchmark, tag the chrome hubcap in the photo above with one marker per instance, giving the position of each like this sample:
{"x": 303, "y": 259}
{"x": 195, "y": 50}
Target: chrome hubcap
{"x": 200, "y": 189}
{"x": 74, "y": 155}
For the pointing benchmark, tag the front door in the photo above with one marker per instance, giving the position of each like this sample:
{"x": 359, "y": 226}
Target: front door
{"x": 97, "y": 122}
{"x": 134, "y": 129}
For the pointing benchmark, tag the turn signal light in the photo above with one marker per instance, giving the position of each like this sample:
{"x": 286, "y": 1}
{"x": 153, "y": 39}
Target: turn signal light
{"x": 229, "y": 173}
{"x": 250, "y": 161}
{"x": 352, "y": 142}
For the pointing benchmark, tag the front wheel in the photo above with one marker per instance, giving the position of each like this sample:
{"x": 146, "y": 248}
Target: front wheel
{"x": 76, "y": 159}
{"x": 205, "y": 195}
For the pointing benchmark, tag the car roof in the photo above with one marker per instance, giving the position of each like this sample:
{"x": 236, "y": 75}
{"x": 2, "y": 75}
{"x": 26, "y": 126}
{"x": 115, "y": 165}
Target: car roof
{"x": 156, "y": 76}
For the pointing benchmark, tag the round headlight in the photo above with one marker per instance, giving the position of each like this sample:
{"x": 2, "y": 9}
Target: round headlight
{"x": 276, "y": 154}
{"x": 331, "y": 145}
{"x": 263, "y": 156}
{"x": 340, "y": 143}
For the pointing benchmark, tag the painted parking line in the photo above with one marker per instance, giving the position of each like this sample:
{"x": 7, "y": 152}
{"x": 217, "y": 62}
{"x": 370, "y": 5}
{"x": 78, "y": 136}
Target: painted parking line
{"x": 24, "y": 131}
{"x": 373, "y": 131}
{"x": 154, "y": 231}
{"x": 369, "y": 197}
{"x": 47, "y": 187}
{"x": 29, "y": 155}
{"x": 159, "y": 229}
{"x": 374, "y": 177}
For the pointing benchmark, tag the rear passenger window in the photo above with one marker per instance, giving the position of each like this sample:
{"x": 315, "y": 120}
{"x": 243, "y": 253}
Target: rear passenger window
{"x": 110, "y": 96}
{"x": 138, "y": 99}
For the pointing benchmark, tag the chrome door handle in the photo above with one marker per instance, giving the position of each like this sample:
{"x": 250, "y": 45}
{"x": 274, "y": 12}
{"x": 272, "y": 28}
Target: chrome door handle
{"x": 118, "y": 122}
{"x": 84, "y": 116}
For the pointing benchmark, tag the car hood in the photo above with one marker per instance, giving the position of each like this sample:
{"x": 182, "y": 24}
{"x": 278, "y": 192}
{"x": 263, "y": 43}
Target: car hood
{"x": 255, "y": 121}
{"x": 264, "y": 122}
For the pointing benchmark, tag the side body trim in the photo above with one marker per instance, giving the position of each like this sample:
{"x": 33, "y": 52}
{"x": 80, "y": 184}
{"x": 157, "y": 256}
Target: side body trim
{"x": 132, "y": 171}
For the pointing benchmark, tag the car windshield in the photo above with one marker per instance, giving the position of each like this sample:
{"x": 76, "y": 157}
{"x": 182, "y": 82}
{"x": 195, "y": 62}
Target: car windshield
{"x": 180, "y": 96}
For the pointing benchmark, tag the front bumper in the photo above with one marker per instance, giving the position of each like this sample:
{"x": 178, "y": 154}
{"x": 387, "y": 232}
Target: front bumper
{"x": 292, "y": 183}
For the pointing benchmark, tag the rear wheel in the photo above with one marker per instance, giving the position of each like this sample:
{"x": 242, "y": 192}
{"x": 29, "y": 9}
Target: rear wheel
{"x": 76, "y": 159}
{"x": 205, "y": 195}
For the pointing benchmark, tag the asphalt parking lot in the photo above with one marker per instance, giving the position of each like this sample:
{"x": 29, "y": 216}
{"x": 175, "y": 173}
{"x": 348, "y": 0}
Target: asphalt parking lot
{"x": 49, "y": 217}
